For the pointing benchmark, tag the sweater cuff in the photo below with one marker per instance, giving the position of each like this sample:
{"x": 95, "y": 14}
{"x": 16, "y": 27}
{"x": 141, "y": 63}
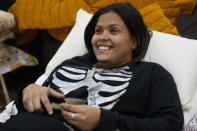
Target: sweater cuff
{"x": 19, "y": 97}
{"x": 107, "y": 121}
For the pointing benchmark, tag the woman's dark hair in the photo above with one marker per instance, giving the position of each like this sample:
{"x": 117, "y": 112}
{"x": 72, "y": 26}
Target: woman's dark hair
{"x": 133, "y": 21}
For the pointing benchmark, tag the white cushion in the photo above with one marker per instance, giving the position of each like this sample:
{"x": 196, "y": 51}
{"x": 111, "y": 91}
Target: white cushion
{"x": 178, "y": 55}
{"x": 74, "y": 44}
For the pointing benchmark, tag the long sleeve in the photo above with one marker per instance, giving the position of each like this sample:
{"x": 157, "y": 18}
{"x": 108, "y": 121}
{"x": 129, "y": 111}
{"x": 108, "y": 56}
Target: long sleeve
{"x": 163, "y": 113}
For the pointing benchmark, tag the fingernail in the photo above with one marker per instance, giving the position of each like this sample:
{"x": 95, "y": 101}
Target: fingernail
{"x": 62, "y": 104}
{"x": 51, "y": 112}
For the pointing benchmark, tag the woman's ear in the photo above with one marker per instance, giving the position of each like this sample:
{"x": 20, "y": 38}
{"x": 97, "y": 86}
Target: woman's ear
{"x": 134, "y": 44}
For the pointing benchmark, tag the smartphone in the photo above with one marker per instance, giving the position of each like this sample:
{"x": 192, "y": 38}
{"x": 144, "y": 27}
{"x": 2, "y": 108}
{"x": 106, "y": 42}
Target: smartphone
{"x": 55, "y": 103}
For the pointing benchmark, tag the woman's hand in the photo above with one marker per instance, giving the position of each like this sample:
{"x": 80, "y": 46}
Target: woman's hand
{"x": 34, "y": 95}
{"x": 85, "y": 118}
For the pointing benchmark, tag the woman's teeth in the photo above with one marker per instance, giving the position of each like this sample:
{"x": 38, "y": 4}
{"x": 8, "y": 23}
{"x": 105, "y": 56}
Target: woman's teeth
{"x": 103, "y": 48}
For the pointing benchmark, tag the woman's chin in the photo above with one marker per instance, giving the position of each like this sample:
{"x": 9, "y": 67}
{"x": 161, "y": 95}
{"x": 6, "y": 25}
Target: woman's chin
{"x": 103, "y": 60}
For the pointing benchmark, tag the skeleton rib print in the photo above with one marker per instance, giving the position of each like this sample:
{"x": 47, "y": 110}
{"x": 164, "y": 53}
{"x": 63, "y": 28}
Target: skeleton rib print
{"x": 101, "y": 87}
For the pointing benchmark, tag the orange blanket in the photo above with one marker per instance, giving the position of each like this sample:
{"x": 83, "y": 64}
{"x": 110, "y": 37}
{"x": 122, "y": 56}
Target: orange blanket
{"x": 58, "y": 16}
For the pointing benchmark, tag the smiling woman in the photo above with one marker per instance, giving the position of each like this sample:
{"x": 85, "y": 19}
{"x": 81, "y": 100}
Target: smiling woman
{"x": 120, "y": 91}
{"x": 112, "y": 42}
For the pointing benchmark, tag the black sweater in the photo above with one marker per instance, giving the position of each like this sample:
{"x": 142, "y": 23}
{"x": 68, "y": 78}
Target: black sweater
{"x": 150, "y": 101}
{"x": 152, "y": 104}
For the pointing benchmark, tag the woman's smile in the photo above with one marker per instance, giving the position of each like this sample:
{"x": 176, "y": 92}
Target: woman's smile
{"x": 102, "y": 50}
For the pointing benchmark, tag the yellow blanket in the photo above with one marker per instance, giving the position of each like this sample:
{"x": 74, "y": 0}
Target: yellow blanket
{"x": 58, "y": 16}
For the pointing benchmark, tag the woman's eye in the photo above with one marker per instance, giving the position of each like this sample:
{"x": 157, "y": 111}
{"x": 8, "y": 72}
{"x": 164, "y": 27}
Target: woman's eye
{"x": 114, "y": 31}
{"x": 98, "y": 31}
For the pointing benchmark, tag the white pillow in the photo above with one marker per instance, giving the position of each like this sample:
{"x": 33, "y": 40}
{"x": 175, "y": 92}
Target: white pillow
{"x": 178, "y": 55}
{"x": 74, "y": 44}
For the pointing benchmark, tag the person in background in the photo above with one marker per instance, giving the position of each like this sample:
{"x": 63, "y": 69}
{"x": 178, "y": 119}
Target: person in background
{"x": 115, "y": 89}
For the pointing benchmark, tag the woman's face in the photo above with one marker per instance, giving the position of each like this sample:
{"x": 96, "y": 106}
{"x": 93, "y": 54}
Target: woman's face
{"x": 112, "y": 43}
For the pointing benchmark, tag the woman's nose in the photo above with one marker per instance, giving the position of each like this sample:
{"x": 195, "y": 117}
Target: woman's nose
{"x": 104, "y": 35}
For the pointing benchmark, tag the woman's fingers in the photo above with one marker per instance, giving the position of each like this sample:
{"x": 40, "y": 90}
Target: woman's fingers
{"x": 28, "y": 105}
{"x": 71, "y": 108}
{"x": 34, "y": 96}
{"x": 45, "y": 101}
{"x": 69, "y": 115}
{"x": 37, "y": 105}
{"x": 72, "y": 118}
{"x": 83, "y": 117}
{"x": 32, "y": 103}
{"x": 53, "y": 93}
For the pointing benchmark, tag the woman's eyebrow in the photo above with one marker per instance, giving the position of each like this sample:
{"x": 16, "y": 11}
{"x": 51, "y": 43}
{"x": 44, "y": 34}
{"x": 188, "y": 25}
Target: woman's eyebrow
{"x": 98, "y": 26}
{"x": 112, "y": 25}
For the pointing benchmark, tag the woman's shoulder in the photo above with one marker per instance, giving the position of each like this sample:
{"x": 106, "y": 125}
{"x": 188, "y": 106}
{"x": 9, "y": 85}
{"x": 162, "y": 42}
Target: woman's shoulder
{"x": 149, "y": 64}
{"x": 150, "y": 67}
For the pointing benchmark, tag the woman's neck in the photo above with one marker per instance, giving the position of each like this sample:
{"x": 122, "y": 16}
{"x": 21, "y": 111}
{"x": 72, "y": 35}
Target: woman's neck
{"x": 108, "y": 66}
